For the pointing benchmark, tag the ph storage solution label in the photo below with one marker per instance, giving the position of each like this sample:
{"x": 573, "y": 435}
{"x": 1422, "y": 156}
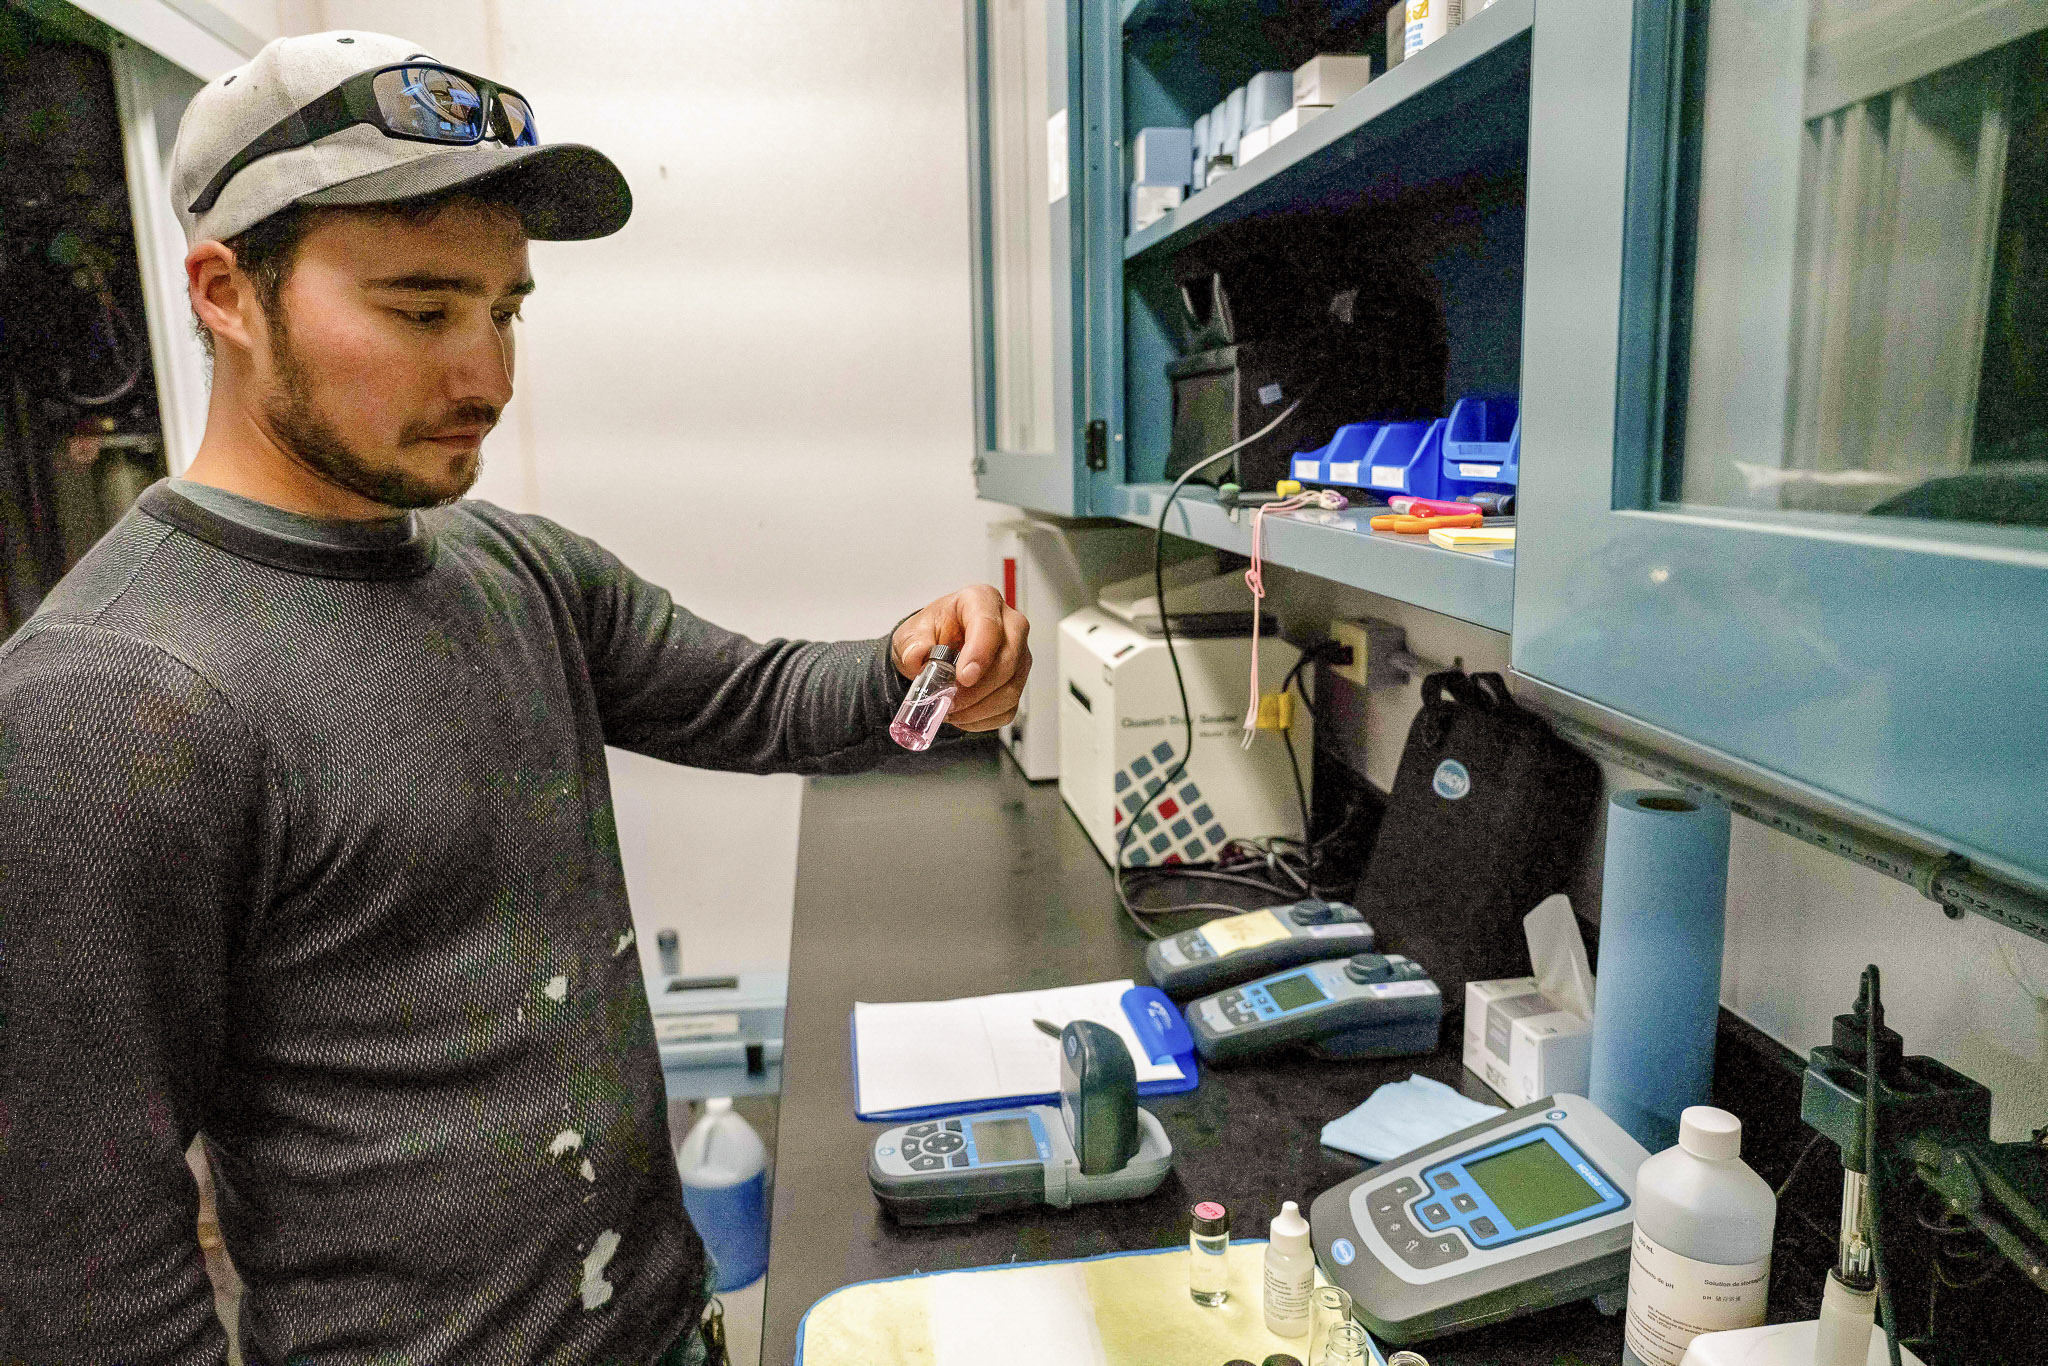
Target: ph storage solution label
{"x": 1672, "y": 1299}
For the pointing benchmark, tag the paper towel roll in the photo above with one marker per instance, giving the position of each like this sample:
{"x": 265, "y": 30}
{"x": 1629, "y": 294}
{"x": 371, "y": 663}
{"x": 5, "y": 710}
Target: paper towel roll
{"x": 1663, "y": 914}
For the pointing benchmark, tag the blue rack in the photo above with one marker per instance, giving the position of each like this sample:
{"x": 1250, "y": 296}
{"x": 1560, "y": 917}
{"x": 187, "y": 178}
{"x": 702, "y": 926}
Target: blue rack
{"x": 1482, "y": 446}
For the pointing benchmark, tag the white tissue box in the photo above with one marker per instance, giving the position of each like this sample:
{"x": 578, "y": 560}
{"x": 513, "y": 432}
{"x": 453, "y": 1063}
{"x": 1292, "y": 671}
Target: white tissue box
{"x": 1522, "y": 1045}
{"x": 1254, "y": 141}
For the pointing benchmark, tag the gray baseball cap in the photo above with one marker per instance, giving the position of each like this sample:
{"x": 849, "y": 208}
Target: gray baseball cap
{"x": 564, "y": 191}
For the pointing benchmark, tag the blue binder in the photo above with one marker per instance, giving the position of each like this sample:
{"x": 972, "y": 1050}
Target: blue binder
{"x": 1154, "y": 1019}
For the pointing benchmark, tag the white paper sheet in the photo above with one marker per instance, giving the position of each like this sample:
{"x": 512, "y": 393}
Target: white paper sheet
{"x": 918, "y": 1054}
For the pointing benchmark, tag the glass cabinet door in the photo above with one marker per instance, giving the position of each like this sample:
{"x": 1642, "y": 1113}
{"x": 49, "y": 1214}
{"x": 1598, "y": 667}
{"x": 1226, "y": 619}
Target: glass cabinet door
{"x": 1786, "y": 403}
{"x": 1024, "y": 90}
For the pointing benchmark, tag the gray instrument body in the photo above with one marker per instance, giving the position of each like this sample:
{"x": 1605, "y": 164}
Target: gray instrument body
{"x": 950, "y": 1171}
{"x": 1366, "y": 1006}
{"x": 1424, "y": 1249}
{"x": 1097, "y": 1145}
{"x": 1210, "y": 958}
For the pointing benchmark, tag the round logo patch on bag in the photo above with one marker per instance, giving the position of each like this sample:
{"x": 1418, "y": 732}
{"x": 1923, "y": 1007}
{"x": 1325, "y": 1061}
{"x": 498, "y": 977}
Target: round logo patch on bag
{"x": 1451, "y": 781}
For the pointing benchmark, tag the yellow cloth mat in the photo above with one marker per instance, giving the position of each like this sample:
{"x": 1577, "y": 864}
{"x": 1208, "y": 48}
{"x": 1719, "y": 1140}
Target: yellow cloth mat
{"x": 1129, "y": 1309}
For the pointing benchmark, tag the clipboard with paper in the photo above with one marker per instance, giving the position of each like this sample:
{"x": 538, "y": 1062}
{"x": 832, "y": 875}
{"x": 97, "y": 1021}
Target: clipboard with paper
{"x": 922, "y": 1059}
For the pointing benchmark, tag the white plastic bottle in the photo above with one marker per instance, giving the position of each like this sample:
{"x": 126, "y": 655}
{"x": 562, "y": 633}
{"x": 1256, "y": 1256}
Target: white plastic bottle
{"x": 1290, "y": 1274}
{"x": 1702, "y": 1258}
{"x": 724, "y": 1167}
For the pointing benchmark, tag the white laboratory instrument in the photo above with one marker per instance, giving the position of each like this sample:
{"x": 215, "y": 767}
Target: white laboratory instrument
{"x": 1121, "y": 733}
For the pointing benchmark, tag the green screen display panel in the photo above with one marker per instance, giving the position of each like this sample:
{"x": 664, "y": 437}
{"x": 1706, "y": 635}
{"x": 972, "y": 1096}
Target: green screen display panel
{"x": 1532, "y": 1185}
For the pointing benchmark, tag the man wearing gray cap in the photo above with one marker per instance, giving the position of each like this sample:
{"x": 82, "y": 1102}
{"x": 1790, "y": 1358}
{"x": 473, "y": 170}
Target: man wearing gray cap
{"x": 306, "y": 842}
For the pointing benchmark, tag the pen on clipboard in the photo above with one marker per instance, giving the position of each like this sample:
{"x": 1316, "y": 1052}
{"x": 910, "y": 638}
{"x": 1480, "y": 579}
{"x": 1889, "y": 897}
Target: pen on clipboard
{"x": 1047, "y": 1028}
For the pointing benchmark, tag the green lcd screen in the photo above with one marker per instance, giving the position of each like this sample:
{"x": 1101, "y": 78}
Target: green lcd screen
{"x": 1298, "y": 990}
{"x": 1532, "y": 1184}
{"x": 1004, "y": 1140}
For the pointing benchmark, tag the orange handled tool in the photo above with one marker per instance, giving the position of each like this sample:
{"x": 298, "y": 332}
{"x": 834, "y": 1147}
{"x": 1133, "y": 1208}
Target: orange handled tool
{"x": 1401, "y": 522}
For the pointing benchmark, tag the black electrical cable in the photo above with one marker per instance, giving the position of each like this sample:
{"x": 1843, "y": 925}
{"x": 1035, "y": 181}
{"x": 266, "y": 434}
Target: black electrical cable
{"x": 1798, "y": 1162}
{"x": 1873, "y": 1024}
{"x": 1180, "y": 765}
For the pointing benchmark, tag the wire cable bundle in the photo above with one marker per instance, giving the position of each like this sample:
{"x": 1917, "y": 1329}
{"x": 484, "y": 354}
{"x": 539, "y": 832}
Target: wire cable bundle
{"x": 1284, "y": 867}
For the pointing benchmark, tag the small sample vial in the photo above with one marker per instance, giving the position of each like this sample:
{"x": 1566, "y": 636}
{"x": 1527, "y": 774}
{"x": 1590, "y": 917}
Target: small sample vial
{"x": 671, "y": 953}
{"x": 925, "y": 706}
{"x": 1209, "y": 1254}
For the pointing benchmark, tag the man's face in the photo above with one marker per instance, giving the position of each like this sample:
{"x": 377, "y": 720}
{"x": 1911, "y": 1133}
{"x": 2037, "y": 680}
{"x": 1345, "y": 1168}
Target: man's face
{"x": 390, "y": 351}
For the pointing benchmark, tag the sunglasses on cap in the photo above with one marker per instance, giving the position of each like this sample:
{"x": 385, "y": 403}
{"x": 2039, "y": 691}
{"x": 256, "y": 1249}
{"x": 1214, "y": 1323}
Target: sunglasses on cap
{"x": 415, "y": 101}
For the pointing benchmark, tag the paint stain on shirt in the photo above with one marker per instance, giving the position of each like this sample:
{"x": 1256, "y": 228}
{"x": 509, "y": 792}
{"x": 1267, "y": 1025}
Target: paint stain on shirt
{"x": 625, "y": 942}
{"x": 596, "y": 1290}
{"x": 557, "y": 988}
{"x": 565, "y": 1142}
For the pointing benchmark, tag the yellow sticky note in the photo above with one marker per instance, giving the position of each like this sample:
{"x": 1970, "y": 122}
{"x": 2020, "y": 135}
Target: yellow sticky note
{"x": 1243, "y": 932}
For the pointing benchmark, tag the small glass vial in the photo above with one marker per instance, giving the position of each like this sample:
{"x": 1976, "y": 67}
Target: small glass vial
{"x": 929, "y": 699}
{"x": 1209, "y": 1254}
{"x": 1346, "y": 1346}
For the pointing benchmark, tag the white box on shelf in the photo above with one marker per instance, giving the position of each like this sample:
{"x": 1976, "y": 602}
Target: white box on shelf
{"x": 1226, "y": 133}
{"x": 1255, "y": 141}
{"x": 1198, "y": 161}
{"x": 1296, "y": 119}
{"x": 1150, "y": 203}
{"x": 1523, "y": 1045}
{"x": 1162, "y": 156}
{"x": 1047, "y": 569}
{"x": 1330, "y": 77}
{"x": 1267, "y": 96}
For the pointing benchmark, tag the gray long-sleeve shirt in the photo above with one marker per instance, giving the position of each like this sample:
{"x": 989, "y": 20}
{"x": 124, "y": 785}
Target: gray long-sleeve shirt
{"x": 307, "y": 843}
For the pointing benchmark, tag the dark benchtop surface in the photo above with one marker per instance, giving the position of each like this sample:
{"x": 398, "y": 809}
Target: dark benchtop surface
{"x": 950, "y": 875}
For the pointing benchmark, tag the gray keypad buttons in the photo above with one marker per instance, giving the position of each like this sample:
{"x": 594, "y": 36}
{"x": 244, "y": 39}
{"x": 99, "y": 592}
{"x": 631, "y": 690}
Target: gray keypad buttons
{"x": 1484, "y": 1227}
{"x": 959, "y": 1159}
{"x": 1464, "y": 1204}
{"x": 944, "y": 1143}
{"x": 953, "y": 1126}
{"x": 920, "y": 1130}
{"x": 930, "y": 1162}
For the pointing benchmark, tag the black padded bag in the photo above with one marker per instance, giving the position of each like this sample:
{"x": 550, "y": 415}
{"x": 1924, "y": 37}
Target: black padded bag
{"x": 1490, "y": 813}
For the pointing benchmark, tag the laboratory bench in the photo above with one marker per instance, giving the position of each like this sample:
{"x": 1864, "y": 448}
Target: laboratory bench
{"x": 949, "y": 874}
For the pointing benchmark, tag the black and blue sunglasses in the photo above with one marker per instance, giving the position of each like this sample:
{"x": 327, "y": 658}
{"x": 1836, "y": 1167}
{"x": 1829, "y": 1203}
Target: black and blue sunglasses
{"x": 416, "y": 101}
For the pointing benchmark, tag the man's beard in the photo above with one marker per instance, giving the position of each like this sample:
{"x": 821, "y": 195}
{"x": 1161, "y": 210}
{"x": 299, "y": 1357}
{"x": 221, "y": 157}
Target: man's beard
{"x": 315, "y": 443}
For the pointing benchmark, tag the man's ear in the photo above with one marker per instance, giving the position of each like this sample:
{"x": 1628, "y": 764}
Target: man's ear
{"x": 220, "y": 294}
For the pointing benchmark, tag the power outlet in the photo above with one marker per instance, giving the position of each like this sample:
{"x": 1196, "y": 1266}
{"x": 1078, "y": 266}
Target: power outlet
{"x": 1355, "y": 635}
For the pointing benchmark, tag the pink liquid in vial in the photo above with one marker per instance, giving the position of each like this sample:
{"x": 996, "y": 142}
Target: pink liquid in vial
{"x": 925, "y": 706}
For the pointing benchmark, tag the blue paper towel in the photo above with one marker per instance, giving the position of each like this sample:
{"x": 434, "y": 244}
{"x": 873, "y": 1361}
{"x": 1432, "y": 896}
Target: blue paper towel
{"x": 1663, "y": 913}
{"x": 1401, "y": 1116}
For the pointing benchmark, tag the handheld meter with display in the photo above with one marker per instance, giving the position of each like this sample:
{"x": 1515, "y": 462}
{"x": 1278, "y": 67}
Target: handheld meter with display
{"x": 1096, "y": 1145}
{"x": 1370, "y": 1005}
{"x": 1237, "y": 948}
{"x": 1520, "y": 1212}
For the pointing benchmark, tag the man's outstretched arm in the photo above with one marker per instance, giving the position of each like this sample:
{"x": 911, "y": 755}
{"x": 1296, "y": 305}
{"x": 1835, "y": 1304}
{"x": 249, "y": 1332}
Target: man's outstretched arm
{"x": 674, "y": 686}
{"x": 129, "y": 794}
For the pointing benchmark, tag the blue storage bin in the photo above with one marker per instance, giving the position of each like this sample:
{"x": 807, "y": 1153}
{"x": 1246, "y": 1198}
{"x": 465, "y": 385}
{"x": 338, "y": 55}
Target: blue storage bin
{"x": 1307, "y": 467}
{"x": 1341, "y": 464}
{"x": 1406, "y": 457}
{"x": 1345, "y": 466}
{"x": 1483, "y": 444}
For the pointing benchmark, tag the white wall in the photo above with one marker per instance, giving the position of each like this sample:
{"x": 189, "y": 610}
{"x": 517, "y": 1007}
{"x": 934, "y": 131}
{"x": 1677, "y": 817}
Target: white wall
{"x": 758, "y": 392}
{"x": 1802, "y": 923}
